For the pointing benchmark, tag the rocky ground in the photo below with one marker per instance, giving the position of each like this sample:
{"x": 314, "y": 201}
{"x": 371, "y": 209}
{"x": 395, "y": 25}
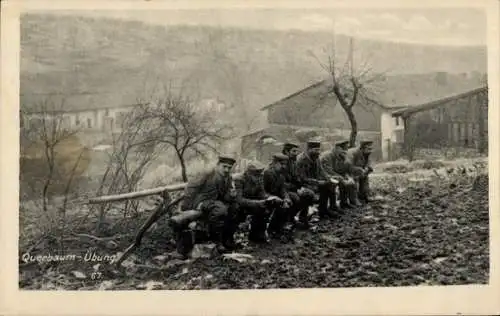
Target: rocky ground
{"x": 431, "y": 230}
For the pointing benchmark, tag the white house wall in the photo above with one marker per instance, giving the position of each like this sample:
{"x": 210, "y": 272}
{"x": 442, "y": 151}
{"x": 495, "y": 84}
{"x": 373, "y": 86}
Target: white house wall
{"x": 388, "y": 130}
{"x": 99, "y": 119}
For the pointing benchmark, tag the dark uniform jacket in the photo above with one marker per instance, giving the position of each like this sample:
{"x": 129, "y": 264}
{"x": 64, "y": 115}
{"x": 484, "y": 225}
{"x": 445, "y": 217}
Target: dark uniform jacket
{"x": 249, "y": 190}
{"x": 275, "y": 182}
{"x": 357, "y": 161}
{"x": 309, "y": 171}
{"x": 292, "y": 181}
{"x": 334, "y": 163}
{"x": 210, "y": 186}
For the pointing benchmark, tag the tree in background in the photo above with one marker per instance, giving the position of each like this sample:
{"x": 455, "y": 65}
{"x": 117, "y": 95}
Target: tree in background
{"x": 51, "y": 154}
{"x": 349, "y": 83}
{"x": 52, "y": 162}
{"x": 182, "y": 125}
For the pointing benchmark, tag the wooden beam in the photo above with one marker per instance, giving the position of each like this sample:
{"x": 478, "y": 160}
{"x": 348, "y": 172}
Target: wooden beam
{"x": 136, "y": 194}
{"x": 140, "y": 194}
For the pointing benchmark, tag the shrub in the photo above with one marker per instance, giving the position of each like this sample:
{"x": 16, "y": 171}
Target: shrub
{"x": 428, "y": 164}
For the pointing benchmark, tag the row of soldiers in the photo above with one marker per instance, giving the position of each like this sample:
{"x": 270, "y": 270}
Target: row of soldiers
{"x": 277, "y": 197}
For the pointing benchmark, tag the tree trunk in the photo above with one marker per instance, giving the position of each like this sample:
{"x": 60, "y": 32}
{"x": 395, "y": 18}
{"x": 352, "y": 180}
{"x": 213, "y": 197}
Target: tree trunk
{"x": 49, "y": 155}
{"x": 183, "y": 166}
{"x": 409, "y": 139}
{"x": 354, "y": 127}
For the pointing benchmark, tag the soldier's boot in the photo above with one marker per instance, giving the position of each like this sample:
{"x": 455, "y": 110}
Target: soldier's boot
{"x": 258, "y": 227}
{"x": 363, "y": 191}
{"x": 335, "y": 210}
{"x": 228, "y": 241}
{"x": 363, "y": 198}
{"x": 324, "y": 211}
{"x": 303, "y": 222}
{"x": 225, "y": 235}
{"x": 344, "y": 196}
{"x": 184, "y": 242}
{"x": 276, "y": 223}
{"x": 353, "y": 197}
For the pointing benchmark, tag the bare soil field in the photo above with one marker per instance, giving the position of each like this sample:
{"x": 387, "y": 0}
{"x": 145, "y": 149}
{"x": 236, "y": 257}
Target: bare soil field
{"x": 427, "y": 228}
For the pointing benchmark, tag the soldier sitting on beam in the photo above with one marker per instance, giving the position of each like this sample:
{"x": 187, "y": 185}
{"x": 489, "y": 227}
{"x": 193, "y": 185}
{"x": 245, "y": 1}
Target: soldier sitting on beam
{"x": 334, "y": 164}
{"x": 254, "y": 201}
{"x": 275, "y": 184}
{"x": 314, "y": 178}
{"x": 301, "y": 196}
{"x": 208, "y": 199}
{"x": 358, "y": 160}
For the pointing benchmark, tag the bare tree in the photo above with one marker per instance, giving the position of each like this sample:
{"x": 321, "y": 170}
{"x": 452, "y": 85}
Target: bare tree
{"x": 52, "y": 160}
{"x": 47, "y": 139}
{"x": 349, "y": 83}
{"x": 128, "y": 160}
{"x": 181, "y": 124}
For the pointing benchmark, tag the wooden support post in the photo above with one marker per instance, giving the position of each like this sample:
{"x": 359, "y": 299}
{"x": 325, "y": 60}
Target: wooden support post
{"x": 161, "y": 210}
{"x": 408, "y": 143}
{"x": 481, "y": 125}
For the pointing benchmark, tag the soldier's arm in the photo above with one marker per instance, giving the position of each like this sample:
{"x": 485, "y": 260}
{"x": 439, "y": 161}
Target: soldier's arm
{"x": 323, "y": 174}
{"x": 294, "y": 181}
{"x": 195, "y": 189}
{"x": 240, "y": 199}
{"x": 327, "y": 165}
{"x": 369, "y": 165}
{"x": 268, "y": 182}
{"x": 351, "y": 163}
{"x": 284, "y": 193}
{"x": 302, "y": 173}
{"x": 264, "y": 194}
{"x": 341, "y": 167}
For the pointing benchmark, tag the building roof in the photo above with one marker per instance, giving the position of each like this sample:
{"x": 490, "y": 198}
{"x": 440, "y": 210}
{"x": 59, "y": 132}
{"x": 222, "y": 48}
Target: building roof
{"x": 436, "y": 103}
{"x": 75, "y": 102}
{"x": 397, "y": 91}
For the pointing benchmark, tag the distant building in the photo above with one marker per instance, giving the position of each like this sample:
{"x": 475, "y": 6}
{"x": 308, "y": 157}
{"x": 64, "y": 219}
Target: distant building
{"x": 314, "y": 108}
{"x": 85, "y": 112}
{"x": 94, "y": 115}
{"x": 458, "y": 121}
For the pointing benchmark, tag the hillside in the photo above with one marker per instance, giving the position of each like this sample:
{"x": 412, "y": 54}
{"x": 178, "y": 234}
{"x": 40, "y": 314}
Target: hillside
{"x": 245, "y": 68}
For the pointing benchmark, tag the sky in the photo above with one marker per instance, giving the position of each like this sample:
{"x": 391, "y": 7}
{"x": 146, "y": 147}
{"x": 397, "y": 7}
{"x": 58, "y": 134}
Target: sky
{"x": 438, "y": 26}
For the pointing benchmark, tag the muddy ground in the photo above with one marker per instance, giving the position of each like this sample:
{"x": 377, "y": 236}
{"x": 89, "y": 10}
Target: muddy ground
{"x": 427, "y": 231}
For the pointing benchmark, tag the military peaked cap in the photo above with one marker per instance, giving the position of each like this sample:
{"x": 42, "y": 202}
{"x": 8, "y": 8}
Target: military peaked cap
{"x": 255, "y": 166}
{"x": 313, "y": 144}
{"x": 366, "y": 143}
{"x": 289, "y": 146}
{"x": 342, "y": 143}
{"x": 227, "y": 160}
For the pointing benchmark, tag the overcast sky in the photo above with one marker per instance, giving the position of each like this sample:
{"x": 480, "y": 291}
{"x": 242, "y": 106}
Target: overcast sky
{"x": 460, "y": 26}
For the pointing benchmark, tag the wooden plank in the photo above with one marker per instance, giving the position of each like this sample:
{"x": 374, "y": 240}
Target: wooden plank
{"x": 140, "y": 194}
{"x": 137, "y": 194}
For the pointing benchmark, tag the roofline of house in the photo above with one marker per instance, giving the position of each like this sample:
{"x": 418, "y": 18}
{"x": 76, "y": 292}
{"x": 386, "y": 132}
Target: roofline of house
{"x": 83, "y": 109}
{"x": 315, "y": 85}
{"x": 436, "y": 103}
{"x": 285, "y": 125}
{"x": 293, "y": 95}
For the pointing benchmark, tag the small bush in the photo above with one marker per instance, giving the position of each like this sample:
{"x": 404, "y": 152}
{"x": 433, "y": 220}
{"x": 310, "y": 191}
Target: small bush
{"x": 397, "y": 168}
{"x": 428, "y": 164}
